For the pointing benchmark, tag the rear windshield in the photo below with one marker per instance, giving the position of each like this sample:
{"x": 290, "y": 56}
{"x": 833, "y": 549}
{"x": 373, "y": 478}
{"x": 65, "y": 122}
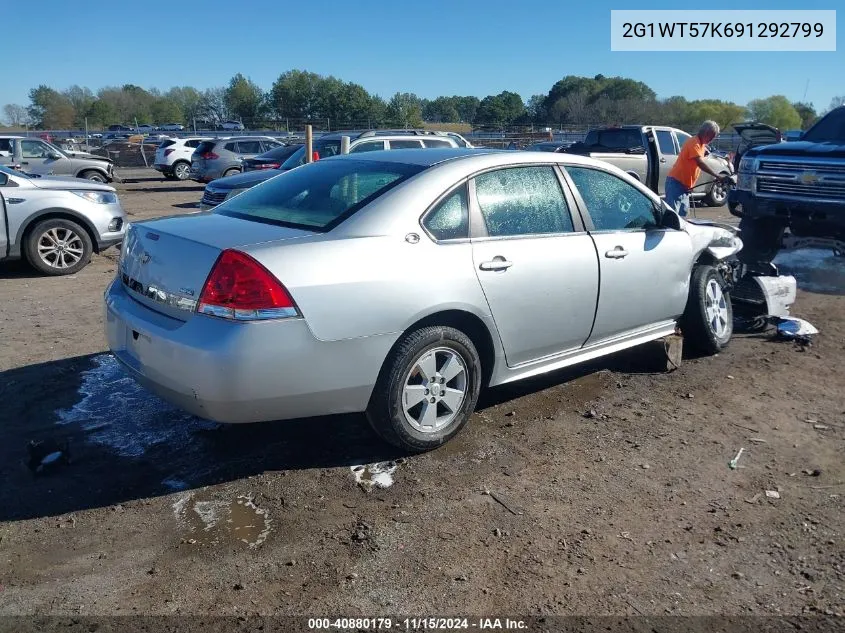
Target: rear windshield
{"x": 318, "y": 196}
{"x": 205, "y": 146}
{"x": 614, "y": 139}
{"x": 325, "y": 149}
{"x": 280, "y": 152}
{"x": 830, "y": 128}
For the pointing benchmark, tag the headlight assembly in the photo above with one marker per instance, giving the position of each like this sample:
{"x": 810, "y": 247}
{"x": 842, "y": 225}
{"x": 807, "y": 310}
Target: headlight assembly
{"x": 98, "y": 197}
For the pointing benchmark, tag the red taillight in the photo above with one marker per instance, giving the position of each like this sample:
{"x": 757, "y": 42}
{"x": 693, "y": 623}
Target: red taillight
{"x": 240, "y": 288}
{"x": 209, "y": 156}
{"x": 168, "y": 152}
{"x": 315, "y": 156}
{"x": 268, "y": 165}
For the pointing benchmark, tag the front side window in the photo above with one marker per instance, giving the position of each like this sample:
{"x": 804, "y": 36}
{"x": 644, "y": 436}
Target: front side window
{"x": 522, "y": 201}
{"x": 318, "y": 196}
{"x": 613, "y": 204}
{"x": 449, "y": 220}
{"x": 34, "y": 149}
{"x": 435, "y": 142}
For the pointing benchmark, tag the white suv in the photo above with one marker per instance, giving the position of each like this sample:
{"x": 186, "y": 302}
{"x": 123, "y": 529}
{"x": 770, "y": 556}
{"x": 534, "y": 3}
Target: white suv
{"x": 173, "y": 156}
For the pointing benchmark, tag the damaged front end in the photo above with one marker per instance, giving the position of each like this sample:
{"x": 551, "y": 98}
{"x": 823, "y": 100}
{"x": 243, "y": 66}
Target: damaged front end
{"x": 756, "y": 291}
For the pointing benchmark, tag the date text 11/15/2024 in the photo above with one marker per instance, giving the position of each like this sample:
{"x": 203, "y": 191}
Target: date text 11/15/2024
{"x": 416, "y": 624}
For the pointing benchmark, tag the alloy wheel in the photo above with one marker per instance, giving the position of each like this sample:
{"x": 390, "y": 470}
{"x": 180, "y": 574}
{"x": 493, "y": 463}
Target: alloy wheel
{"x": 60, "y": 248}
{"x": 435, "y": 389}
{"x": 716, "y": 309}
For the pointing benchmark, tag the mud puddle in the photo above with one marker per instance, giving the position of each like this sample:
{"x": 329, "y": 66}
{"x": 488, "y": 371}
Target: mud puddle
{"x": 208, "y": 521}
{"x": 815, "y": 270}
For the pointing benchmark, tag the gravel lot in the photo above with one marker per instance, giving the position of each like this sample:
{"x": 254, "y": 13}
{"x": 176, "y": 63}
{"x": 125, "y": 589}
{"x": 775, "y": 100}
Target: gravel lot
{"x": 536, "y": 508}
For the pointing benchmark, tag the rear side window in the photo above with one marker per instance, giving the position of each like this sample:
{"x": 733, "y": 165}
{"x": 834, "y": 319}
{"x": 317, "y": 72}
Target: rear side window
{"x": 405, "y": 145}
{"x": 430, "y": 142}
{"x": 268, "y": 145}
{"x": 522, "y": 201}
{"x": 249, "y": 147}
{"x": 320, "y": 195}
{"x": 231, "y": 147}
{"x": 449, "y": 220}
{"x": 369, "y": 146}
{"x": 166, "y": 143}
{"x": 192, "y": 143}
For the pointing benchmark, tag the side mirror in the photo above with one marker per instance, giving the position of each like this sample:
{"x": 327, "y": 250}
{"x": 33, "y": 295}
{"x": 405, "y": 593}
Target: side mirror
{"x": 666, "y": 217}
{"x": 54, "y": 156}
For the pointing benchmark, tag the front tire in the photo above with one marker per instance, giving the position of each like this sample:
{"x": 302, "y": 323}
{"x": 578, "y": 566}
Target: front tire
{"x": 707, "y": 323}
{"x": 427, "y": 389}
{"x": 58, "y": 247}
{"x": 93, "y": 176}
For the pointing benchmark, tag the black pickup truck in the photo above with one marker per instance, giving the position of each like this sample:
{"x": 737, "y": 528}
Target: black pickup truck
{"x": 793, "y": 194}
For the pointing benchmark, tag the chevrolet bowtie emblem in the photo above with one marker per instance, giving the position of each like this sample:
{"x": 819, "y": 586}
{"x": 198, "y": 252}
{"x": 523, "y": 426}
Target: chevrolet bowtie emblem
{"x": 809, "y": 177}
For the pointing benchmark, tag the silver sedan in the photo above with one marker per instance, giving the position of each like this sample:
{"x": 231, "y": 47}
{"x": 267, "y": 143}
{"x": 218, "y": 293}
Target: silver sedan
{"x": 400, "y": 283}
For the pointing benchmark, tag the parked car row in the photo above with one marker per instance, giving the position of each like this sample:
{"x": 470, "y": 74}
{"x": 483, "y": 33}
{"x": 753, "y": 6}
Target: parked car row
{"x": 325, "y": 146}
{"x": 172, "y": 127}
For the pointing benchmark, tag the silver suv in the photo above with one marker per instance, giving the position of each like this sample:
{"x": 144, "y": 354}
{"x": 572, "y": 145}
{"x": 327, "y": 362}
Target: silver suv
{"x": 35, "y": 156}
{"x": 56, "y": 223}
{"x": 221, "y": 157}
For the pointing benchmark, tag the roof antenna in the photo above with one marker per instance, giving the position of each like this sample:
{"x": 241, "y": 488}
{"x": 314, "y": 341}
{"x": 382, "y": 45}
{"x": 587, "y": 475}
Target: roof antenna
{"x": 804, "y": 100}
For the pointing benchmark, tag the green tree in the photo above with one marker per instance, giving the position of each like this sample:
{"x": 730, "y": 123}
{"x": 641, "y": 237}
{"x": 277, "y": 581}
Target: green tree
{"x": 807, "y": 113}
{"x": 441, "y": 110}
{"x": 82, "y": 100}
{"x": 467, "y": 108}
{"x": 405, "y": 109}
{"x": 50, "y": 109}
{"x": 189, "y": 100}
{"x": 776, "y": 111}
{"x": 294, "y": 95}
{"x": 213, "y": 106}
{"x": 244, "y": 99}
{"x": 101, "y": 113}
{"x": 165, "y": 110}
{"x": 501, "y": 109}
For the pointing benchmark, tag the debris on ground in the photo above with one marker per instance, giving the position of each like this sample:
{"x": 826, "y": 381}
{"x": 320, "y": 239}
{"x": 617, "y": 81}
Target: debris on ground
{"x": 773, "y": 494}
{"x": 47, "y": 455}
{"x": 734, "y": 463}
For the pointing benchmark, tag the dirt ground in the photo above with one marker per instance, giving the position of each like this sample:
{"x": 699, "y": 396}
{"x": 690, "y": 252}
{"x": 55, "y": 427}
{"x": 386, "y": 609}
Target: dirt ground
{"x": 603, "y": 490}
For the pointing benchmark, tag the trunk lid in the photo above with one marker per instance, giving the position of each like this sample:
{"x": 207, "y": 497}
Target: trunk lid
{"x": 164, "y": 263}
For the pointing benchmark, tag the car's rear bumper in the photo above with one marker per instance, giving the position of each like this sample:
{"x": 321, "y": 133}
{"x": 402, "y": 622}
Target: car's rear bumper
{"x": 241, "y": 372}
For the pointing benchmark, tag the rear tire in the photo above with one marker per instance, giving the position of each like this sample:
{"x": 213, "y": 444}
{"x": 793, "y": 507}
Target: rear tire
{"x": 717, "y": 195}
{"x": 231, "y": 172}
{"x": 707, "y": 323}
{"x": 762, "y": 238}
{"x": 181, "y": 170}
{"x": 58, "y": 247}
{"x": 427, "y": 389}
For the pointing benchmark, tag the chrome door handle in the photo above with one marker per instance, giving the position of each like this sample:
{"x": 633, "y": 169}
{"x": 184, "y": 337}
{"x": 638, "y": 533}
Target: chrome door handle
{"x": 662, "y": 160}
{"x": 616, "y": 253}
{"x": 496, "y": 264}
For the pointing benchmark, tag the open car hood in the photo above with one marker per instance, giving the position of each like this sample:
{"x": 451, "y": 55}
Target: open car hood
{"x": 758, "y": 133}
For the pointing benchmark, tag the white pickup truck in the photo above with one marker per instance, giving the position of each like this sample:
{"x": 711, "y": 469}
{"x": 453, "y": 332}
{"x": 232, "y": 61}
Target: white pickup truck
{"x": 648, "y": 153}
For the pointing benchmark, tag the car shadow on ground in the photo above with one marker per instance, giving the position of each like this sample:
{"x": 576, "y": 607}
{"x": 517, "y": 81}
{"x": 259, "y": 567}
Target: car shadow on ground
{"x": 18, "y": 269}
{"x": 124, "y": 444}
{"x": 187, "y": 188}
{"x": 186, "y": 205}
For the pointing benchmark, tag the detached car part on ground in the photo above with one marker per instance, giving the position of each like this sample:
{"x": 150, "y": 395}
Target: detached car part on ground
{"x": 36, "y": 156}
{"x": 797, "y": 187}
{"x": 57, "y": 223}
{"x": 401, "y": 283}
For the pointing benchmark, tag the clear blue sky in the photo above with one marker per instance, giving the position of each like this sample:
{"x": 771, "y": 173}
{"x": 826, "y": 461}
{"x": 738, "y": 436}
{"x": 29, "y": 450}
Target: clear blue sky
{"x": 431, "y": 48}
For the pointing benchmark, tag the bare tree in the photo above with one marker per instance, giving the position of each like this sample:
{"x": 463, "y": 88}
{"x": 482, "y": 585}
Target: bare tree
{"x": 16, "y": 114}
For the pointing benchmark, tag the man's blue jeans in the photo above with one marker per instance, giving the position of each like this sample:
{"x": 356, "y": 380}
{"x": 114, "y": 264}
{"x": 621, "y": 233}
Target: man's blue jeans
{"x": 677, "y": 196}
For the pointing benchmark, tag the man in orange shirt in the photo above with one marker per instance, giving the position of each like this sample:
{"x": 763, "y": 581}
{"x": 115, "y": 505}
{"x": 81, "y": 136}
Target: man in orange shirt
{"x": 687, "y": 169}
